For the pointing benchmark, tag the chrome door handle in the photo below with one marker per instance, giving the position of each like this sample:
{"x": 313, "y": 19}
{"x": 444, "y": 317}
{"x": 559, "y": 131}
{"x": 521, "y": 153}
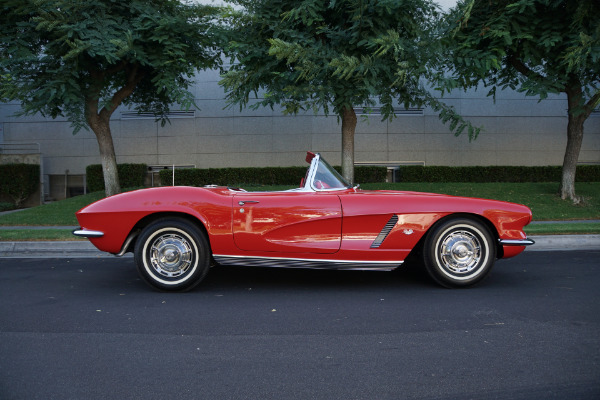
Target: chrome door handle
{"x": 242, "y": 202}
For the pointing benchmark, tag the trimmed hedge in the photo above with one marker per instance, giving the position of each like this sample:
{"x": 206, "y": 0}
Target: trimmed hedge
{"x": 368, "y": 174}
{"x": 257, "y": 176}
{"x": 415, "y": 173}
{"x": 130, "y": 175}
{"x": 19, "y": 181}
{"x": 4, "y": 206}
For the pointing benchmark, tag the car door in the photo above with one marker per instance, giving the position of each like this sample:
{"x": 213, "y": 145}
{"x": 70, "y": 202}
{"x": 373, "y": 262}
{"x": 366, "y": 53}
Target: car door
{"x": 293, "y": 222}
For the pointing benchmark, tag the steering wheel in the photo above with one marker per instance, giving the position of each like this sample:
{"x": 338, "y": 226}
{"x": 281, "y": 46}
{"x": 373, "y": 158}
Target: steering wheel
{"x": 321, "y": 185}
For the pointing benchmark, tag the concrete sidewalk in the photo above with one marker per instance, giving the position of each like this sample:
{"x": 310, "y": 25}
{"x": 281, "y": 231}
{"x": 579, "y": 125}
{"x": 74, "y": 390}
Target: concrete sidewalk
{"x": 84, "y": 249}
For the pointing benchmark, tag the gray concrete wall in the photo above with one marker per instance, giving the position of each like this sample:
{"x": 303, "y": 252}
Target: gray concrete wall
{"x": 517, "y": 131}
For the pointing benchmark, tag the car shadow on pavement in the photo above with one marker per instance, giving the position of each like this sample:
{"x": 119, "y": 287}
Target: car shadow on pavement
{"x": 230, "y": 277}
{"x": 122, "y": 275}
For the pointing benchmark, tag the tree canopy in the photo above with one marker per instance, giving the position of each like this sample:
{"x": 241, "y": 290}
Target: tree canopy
{"x": 82, "y": 59}
{"x": 334, "y": 56}
{"x": 537, "y": 47}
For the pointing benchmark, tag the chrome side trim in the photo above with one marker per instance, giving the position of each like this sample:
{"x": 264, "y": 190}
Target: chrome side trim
{"x": 516, "y": 242}
{"x": 283, "y": 262}
{"x": 86, "y": 233}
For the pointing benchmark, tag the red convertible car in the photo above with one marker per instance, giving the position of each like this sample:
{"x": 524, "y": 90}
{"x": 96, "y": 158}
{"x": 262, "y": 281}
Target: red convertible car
{"x": 177, "y": 233}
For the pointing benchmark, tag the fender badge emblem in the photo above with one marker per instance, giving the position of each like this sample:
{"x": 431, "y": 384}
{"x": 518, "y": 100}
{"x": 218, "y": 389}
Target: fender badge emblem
{"x": 408, "y": 231}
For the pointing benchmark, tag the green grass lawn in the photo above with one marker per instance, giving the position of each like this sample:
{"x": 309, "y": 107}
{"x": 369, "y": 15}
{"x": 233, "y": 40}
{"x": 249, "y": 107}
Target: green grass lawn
{"x": 573, "y": 228}
{"x": 17, "y": 235}
{"x": 542, "y": 198}
{"x": 57, "y": 213}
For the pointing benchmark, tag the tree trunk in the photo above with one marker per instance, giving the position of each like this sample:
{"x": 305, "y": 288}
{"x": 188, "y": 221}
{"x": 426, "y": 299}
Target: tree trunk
{"x": 101, "y": 128}
{"x": 348, "y": 129}
{"x": 574, "y": 139}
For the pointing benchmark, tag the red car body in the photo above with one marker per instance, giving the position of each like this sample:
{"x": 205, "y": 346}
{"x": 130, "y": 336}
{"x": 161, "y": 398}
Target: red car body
{"x": 335, "y": 226}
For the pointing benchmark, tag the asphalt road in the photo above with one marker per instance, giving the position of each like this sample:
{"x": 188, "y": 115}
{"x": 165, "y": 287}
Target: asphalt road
{"x": 90, "y": 329}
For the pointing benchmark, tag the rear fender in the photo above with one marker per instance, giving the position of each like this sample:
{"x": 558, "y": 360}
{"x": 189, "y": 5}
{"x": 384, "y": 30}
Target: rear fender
{"x": 129, "y": 244}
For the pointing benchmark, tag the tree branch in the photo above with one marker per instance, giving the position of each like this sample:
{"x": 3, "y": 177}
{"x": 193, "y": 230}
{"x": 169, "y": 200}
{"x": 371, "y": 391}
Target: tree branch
{"x": 119, "y": 67}
{"x": 589, "y": 106}
{"x": 134, "y": 76}
{"x": 523, "y": 69}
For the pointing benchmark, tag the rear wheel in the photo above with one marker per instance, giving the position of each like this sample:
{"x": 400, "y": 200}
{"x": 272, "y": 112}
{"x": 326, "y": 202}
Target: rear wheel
{"x": 459, "y": 252}
{"x": 172, "y": 255}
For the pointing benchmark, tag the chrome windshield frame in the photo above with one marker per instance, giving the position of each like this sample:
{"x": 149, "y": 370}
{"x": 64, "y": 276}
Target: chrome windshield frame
{"x": 309, "y": 185}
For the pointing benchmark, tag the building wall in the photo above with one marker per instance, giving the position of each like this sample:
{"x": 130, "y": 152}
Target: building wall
{"x": 517, "y": 131}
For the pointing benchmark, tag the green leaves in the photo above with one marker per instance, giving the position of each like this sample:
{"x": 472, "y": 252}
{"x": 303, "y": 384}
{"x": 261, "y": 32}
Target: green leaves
{"x": 537, "y": 47}
{"x": 330, "y": 55}
{"x": 540, "y": 44}
{"x": 56, "y": 55}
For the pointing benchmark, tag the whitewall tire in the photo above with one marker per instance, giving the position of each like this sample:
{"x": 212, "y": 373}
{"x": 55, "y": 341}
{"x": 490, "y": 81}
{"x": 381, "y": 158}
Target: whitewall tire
{"x": 172, "y": 254}
{"x": 459, "y": 252}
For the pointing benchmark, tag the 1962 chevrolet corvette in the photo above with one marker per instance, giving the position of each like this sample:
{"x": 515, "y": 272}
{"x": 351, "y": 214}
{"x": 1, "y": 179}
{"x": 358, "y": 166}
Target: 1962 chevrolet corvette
{"x": 177, "y": 233}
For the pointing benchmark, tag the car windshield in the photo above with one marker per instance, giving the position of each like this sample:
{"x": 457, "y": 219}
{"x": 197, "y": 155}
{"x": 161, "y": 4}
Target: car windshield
{"x": 326, "y": 177}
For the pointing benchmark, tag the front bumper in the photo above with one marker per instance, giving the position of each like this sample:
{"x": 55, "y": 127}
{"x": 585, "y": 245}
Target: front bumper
{"x": 516, "y": 242}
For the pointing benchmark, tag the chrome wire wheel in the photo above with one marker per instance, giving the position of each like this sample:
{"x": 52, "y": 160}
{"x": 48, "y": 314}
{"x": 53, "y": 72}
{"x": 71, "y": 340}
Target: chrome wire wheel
{"x": 172, "y": 254}
{"x": 459, "y": 252}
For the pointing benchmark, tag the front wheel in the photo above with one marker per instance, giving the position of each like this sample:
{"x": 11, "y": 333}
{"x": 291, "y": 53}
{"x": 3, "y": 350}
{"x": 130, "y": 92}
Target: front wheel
{"x": 172, "y": 255}
{"x": 459, "y": 252}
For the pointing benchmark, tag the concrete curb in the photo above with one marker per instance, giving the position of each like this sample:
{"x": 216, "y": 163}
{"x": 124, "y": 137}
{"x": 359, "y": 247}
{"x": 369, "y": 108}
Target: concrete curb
{"x": 51, "y": 249}
{"x": 565, "y": 242}
{"x": 84, "y": 249}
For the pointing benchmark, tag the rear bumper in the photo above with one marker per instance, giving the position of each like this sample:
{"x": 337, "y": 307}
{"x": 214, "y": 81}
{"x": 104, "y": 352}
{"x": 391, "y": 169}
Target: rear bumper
{"x": 86, "y": 233}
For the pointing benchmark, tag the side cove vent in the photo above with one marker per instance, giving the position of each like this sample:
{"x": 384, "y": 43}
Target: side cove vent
{"x": 385, "y": 232}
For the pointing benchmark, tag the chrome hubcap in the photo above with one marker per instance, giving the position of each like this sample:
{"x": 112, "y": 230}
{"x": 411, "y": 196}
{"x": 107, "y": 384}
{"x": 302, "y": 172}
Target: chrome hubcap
{"x": 460, "y": 252}
{"x": 171, "y": 255}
